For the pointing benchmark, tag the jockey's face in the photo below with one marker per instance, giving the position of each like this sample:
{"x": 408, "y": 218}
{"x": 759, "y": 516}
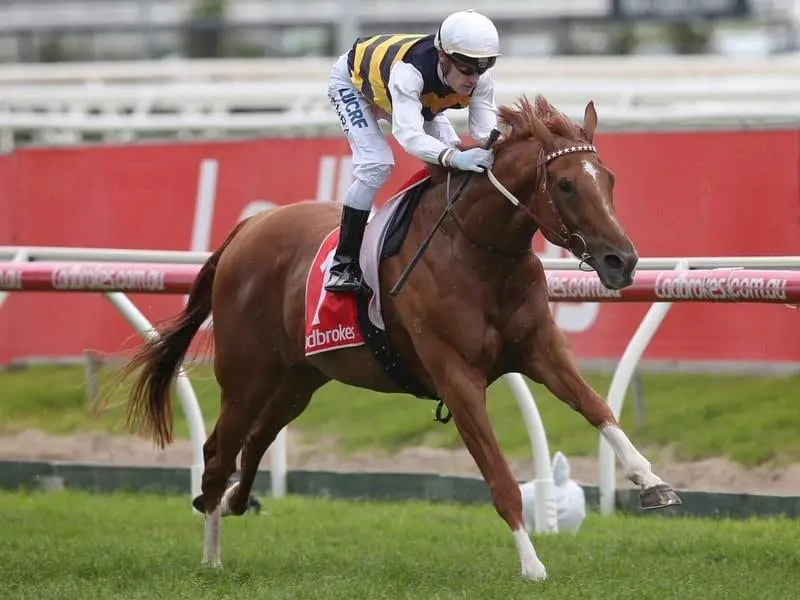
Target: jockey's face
{"x": 461, "y": 78}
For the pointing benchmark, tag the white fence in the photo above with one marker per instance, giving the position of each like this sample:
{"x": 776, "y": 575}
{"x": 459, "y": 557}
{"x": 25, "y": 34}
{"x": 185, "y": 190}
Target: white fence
{"x": 124, "y": 100}
{"x": 570, "y": 68}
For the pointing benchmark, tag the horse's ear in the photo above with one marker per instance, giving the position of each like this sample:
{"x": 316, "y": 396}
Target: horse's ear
{"x": 543, "y": 134}
{"x": 590, "y": 120}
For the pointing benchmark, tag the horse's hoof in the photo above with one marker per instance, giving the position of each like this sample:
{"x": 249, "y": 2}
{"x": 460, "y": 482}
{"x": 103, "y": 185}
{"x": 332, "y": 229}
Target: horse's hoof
{"x": 658, "y": 496}
{"x": 214, "y": 563}
{"x": 534, "y": 572}
{"x": 253, "y": 505}
{"x": 199, "y": 505}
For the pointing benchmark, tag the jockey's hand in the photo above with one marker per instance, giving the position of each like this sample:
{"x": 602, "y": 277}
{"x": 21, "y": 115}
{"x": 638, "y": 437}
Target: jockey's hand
{"x": 474, "y": 159}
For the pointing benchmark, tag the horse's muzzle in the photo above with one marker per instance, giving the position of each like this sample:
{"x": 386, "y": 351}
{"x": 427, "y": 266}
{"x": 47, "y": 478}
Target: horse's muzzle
{"x": 615, "y": 267}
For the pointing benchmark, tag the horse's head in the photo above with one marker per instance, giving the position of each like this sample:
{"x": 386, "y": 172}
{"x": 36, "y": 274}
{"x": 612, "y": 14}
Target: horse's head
{"x": 551, "y": 165}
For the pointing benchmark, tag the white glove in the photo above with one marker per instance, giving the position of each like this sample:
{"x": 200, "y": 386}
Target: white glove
{"x": 474, "y": 159}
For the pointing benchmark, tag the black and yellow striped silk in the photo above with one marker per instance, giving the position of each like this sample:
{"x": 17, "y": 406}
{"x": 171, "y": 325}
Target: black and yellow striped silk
{"x": 371, "y": 60}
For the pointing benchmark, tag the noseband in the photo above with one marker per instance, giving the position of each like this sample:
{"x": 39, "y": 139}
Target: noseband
{"x": 565, "y": 237}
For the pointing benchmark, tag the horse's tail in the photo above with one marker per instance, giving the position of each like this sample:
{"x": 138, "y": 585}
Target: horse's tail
{"x": 149, "y": 410}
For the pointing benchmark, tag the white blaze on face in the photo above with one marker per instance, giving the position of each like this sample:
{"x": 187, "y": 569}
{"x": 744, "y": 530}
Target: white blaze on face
{"x": 592, "y": 172}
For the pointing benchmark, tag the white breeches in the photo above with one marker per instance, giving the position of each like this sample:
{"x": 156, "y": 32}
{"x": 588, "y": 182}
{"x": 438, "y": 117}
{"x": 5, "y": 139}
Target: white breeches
{"x": 372, "y": 155}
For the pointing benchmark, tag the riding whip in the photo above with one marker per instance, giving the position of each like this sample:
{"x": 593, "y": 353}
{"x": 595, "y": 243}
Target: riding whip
{"x": 424, "y": 245}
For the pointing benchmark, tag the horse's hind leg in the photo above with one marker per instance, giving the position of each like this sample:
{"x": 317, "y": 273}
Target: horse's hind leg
{"x": 290, "y": 399}
{"x": 241, "y": 403}
{"x": 551, "y": 363}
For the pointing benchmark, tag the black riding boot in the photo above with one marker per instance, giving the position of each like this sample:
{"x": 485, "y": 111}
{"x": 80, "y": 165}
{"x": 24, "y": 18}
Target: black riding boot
{"x": 345, "y": 273}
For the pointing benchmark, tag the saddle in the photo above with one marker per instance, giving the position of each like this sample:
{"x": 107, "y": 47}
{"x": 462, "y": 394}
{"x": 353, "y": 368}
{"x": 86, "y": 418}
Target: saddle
{"x": 384, "y": 237}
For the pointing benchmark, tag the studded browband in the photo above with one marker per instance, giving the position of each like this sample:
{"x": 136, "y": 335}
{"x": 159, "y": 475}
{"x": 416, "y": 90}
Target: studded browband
{"x": 568, "y": 150}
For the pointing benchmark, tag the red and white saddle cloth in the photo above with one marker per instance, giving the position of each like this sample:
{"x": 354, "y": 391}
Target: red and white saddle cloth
{"x": 332, "y": 319}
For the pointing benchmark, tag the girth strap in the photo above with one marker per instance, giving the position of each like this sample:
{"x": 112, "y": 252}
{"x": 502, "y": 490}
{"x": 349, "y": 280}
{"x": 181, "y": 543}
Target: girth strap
{"x": 378, "y": 343}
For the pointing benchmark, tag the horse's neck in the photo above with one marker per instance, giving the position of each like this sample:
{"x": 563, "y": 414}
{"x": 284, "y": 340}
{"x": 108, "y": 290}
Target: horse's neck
{"x": 489, "y": 217}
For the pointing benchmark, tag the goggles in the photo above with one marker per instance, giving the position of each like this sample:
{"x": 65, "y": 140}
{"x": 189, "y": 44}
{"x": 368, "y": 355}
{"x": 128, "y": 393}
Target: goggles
{"x": 469, "y": 65}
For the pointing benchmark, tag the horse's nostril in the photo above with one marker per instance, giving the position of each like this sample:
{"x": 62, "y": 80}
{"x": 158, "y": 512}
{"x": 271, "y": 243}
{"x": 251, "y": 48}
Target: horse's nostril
{"x": 613, "y": 262}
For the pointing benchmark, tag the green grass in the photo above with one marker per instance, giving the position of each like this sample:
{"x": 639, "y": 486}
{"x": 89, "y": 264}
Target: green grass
{"x": 78, "y": 546}
{"x": 748, "y": 419}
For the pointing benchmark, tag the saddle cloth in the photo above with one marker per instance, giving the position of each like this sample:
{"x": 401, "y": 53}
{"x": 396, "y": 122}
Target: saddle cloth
{"x": 332, "y": 320}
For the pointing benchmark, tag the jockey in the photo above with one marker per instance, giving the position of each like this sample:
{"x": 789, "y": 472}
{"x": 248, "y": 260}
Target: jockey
{"x": 409, "y": 80}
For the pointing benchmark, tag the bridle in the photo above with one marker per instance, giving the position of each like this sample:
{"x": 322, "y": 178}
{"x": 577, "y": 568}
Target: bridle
{"x": 565, "y": 237}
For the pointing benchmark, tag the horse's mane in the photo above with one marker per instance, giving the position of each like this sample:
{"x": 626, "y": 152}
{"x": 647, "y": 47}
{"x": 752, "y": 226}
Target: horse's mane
{"x": 519, "y": 120}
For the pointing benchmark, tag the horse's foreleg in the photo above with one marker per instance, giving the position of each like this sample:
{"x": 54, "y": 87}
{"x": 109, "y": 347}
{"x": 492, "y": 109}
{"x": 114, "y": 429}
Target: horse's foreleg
{"x": 463, "y": 390}
{"x": 549, "y": 361}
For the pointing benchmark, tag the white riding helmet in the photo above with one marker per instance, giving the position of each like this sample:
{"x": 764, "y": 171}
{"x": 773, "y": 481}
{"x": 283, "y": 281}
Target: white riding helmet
{"x": 470, "y": 38}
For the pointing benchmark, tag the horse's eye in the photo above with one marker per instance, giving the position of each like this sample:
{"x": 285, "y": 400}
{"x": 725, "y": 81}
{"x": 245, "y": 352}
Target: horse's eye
{"x": 565, "y": 185}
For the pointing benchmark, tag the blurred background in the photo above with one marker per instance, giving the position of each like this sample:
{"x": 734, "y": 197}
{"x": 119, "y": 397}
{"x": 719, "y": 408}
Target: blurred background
{"x": 118, "y": 70}
{"x": 79, "y": 30}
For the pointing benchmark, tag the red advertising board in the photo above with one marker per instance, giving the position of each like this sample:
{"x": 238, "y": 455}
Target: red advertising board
{"x": 677, "y": 193}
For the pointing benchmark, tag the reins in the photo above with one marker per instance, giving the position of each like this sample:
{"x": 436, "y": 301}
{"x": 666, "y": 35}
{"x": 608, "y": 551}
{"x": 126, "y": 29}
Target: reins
{"x": 566, "y": 238}
{"x": 448, "y": 207}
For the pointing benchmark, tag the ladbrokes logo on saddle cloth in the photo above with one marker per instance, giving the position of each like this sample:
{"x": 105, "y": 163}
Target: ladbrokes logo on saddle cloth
{"x": 332, "y": 319}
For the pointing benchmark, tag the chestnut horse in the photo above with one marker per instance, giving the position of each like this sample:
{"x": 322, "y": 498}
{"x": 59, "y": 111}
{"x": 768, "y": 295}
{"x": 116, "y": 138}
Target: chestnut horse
{"x": 474, "y": 308}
